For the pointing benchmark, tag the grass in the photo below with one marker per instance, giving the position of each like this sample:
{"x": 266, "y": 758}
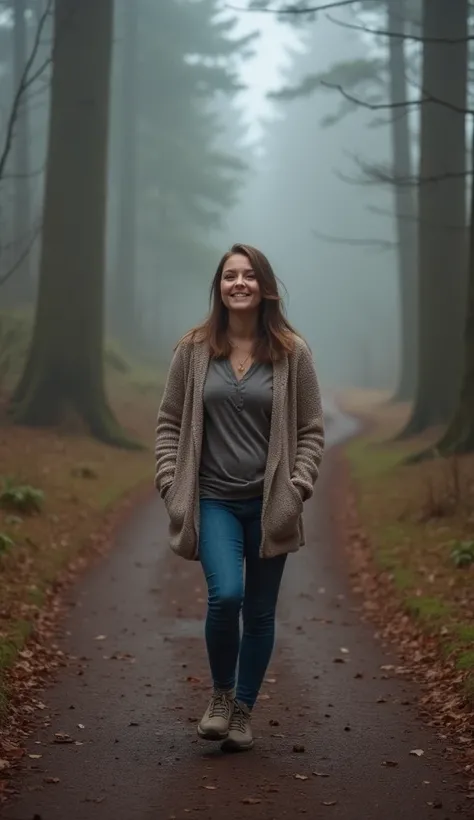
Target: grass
{"x": 414, "y": 517}
{"x": 80, "y": 479}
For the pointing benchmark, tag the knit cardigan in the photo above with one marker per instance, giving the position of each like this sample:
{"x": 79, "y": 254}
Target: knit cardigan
{"x": 295, "y": 448}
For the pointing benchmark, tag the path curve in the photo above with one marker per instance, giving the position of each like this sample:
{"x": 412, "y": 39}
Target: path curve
{"x": 334, "y": 729}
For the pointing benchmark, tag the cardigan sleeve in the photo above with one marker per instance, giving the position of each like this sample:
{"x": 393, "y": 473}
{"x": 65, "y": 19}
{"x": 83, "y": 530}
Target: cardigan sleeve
{"x": 168, "y": 424}
{"x": 310, "y": 426}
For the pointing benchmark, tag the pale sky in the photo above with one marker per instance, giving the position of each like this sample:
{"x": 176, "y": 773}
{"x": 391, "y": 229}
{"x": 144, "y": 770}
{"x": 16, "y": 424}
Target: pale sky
{"x": 262, "y": 72}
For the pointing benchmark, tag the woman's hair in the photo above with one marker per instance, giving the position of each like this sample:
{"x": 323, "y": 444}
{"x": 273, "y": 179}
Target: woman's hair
{"x": 276, "y": 337}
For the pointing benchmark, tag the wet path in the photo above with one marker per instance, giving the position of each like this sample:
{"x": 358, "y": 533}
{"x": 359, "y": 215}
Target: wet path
{"x": 334, "y": 729}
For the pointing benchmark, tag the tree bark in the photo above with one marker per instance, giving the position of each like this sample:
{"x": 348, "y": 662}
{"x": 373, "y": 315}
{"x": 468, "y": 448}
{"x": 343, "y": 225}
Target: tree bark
{"x": 405, "y": 205}
{"x": 442, "y": 216}
{"x": 459, "y": 437}
{"x": 125, "y": 280}
{"x": 19, "y": 289}
{"x": 64, "y": 370}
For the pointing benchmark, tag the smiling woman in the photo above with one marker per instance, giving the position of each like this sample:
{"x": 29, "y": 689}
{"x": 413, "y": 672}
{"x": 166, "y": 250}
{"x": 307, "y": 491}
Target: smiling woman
{"x": 239, "y": 285}
{"x": 240, "y": 416}
{"x": 246, "y": 310}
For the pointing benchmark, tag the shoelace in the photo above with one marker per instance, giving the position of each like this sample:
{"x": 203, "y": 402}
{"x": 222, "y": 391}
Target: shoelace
{"x": 220, "y": 706}
{"x": 239, "y": 719}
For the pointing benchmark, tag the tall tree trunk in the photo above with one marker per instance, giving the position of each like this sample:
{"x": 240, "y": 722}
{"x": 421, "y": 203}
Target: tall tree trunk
{"x": 64, "y": 370}
{"x": 459, "y": 437}
{"x": 125, "y": 280}
{"x": 442, "y": 215}
{"x": 19, "y": 289}
{"x": 405, "y": 205}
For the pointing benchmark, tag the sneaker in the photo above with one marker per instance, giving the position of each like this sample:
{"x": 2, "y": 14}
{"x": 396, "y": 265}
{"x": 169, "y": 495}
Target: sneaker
{"x": 240, "y": 736}
{"x": 216, "y": 719}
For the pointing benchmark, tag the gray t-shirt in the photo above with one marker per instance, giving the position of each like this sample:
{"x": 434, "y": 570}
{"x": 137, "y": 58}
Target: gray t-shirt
{"x": 237, "y": 418}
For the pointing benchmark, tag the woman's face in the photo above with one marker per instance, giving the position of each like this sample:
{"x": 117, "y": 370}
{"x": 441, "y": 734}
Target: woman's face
{"x": 240, "y": 290}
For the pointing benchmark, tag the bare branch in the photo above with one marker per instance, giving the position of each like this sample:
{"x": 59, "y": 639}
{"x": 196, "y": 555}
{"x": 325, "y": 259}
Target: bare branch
{"x": 294, "y": 9}
{"x": 388, "y": 178}
{"x": 417, "y": 38}
{"x": 390, "y": 106}
{"x": 22, "y": 257}
{"x": 25, "y": 82}
{"x": 30, "y": 175}
{"x": 379, "y": 122}
{"x": 375, "y": 244}
{"x": 415, "y": 219}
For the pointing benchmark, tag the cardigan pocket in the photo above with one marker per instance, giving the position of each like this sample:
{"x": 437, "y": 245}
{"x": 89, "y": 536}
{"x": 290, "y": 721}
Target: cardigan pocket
{"x": 284, "y": 511}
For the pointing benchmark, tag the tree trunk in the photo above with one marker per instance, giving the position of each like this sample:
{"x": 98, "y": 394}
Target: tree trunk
{"x": 19, "y": 289}
{"x": 405, "y": 205}
{"x": 442, "y": 217}
{"x": 459, "y": 437}
{"x": 125, "y": 295}
{"x": 64, "y": 370}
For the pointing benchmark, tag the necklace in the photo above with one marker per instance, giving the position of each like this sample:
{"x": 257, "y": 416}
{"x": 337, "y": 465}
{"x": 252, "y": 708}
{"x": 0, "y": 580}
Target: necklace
{"x": 241, "y": 364}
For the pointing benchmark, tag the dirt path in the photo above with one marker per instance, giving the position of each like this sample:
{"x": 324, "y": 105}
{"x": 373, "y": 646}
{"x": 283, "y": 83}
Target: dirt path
{"x": 132, "y": 698}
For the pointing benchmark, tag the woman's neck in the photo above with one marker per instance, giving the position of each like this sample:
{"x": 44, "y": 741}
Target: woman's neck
{"x": 243, "y": 327}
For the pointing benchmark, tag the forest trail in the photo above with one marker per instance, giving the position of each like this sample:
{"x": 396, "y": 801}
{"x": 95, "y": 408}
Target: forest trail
{"x": 335, "y": 729}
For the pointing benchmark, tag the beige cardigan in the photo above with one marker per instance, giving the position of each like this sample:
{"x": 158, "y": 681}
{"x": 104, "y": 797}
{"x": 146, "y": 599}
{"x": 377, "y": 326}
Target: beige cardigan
{"x": 294, "y": 452}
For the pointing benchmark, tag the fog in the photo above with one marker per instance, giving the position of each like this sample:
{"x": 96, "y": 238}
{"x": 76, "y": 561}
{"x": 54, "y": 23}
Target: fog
{"x": 342, "y": 297}
{"x": 201, "y": 155}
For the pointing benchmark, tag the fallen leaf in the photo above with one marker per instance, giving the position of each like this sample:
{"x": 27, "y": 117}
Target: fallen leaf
{"x": 62, "y": 737}
{"x": 301, "y": 777}
{"x": 329, "y": 803}
{"x": 211, "y": 788}
{"x": 320, "y": 774}
{"x": 251, "y": 801}
{"x": 100, "y": 637}
{"x": 390, "y": 763}
{"x": 35, "y": 757}
{"x": 51, "y": 780}
{"x": 417, "y": 752}
{"x": 80, "y": 726}
{"x": 344, "y": 650}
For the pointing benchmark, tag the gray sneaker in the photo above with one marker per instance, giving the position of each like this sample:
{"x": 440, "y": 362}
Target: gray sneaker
{"x": 240, "y": 736}
{"x": 216, "y": 719}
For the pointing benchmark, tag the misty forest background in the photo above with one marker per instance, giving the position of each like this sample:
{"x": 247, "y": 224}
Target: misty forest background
{"x": 129, "y": 161}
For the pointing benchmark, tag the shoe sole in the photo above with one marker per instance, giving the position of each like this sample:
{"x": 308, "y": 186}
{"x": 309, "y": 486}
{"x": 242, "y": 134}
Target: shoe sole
{"x": 211, "y": 735}
{"x": 233, "y": 746}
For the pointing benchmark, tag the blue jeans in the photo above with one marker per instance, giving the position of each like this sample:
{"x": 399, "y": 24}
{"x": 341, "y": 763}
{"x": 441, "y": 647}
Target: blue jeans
{"x": 230, "y": 533}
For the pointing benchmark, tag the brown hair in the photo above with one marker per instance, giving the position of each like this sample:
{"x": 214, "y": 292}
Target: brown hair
{"x": 276, "y": 337}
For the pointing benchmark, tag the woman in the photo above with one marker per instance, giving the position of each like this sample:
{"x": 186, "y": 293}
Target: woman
{"x": 239, "y": 441}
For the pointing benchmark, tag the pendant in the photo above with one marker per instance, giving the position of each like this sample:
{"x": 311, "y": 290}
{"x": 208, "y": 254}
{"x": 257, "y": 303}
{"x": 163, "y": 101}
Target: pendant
{"x": 240, "y": 368}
